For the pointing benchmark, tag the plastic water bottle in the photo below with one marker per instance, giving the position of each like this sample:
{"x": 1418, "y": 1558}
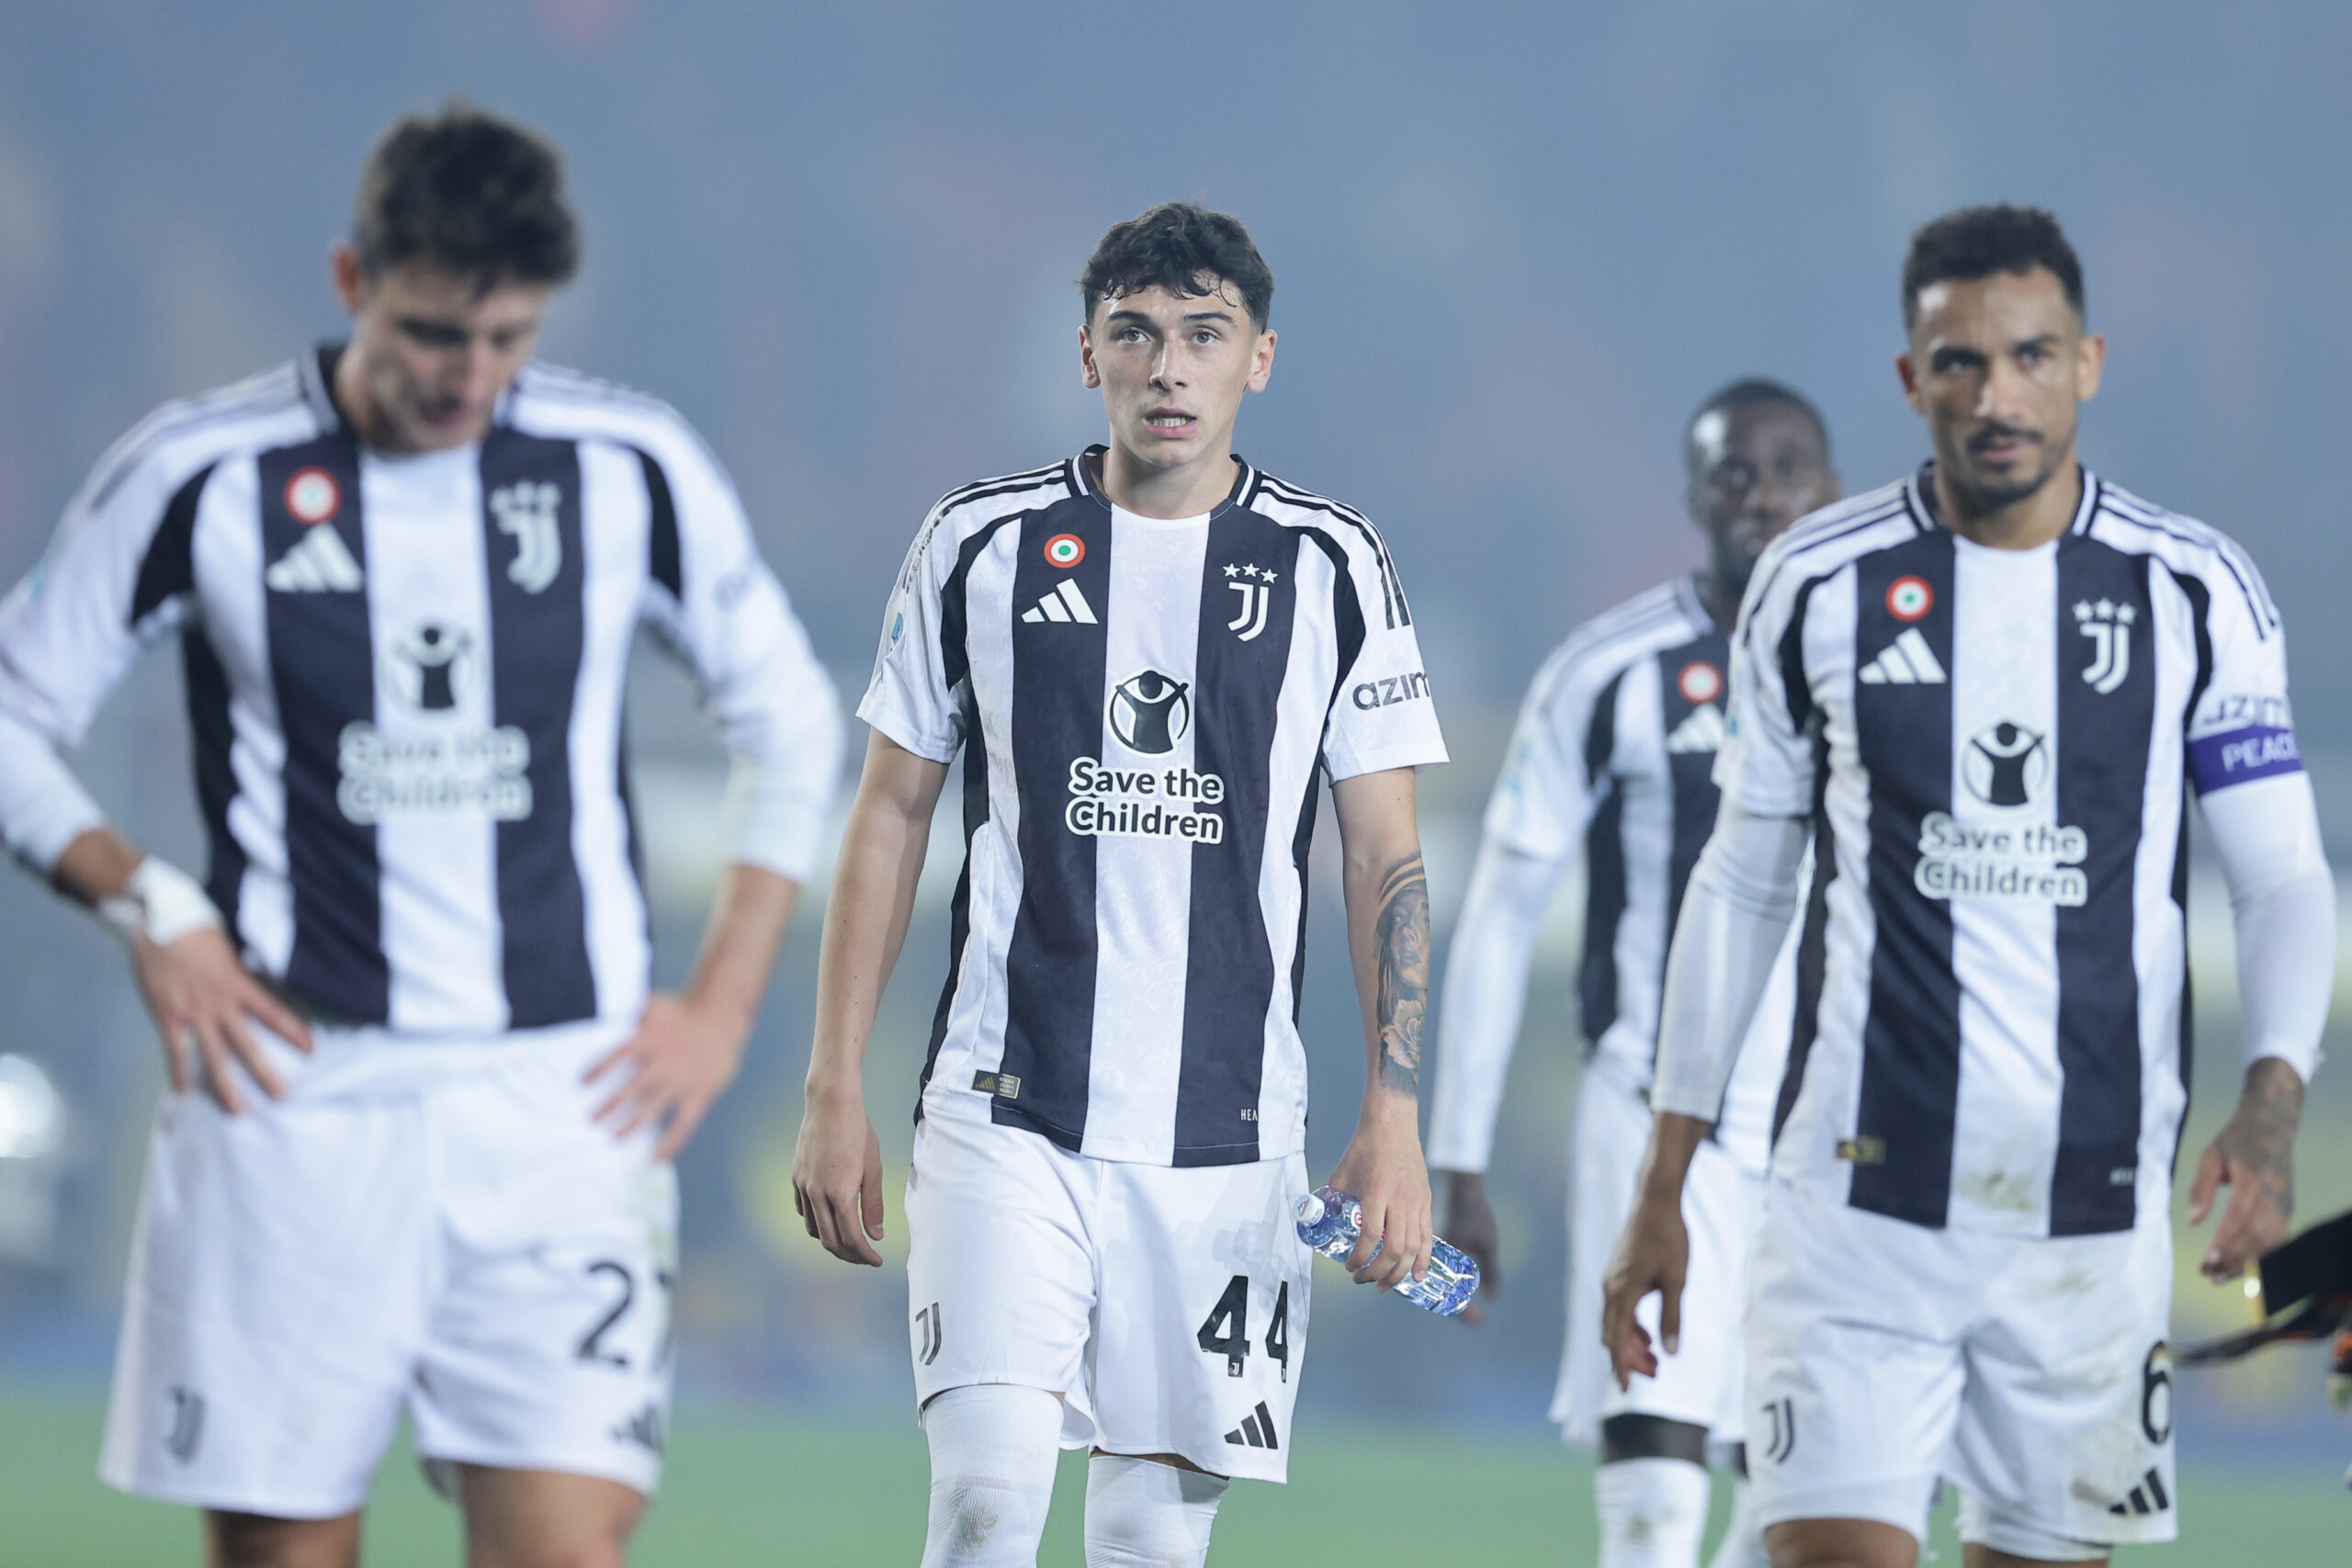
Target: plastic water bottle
{"x": 1329, "y": 1221}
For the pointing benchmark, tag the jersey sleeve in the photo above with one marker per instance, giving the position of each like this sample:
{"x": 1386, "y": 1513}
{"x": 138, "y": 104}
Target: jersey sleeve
{"x": 1549, "y": 786}
{"x": 2242, "y": 728}
{"x": 1766, "y": 766}
{"x": 114, "y": 581}
{"x": 1384, "y": 716}
{"x": 729, "y": 620}
{"x": 909, "y": 698}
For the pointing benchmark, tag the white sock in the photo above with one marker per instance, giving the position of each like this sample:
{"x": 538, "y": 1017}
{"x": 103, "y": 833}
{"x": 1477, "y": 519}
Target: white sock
{"x": 1652, "y": 1512}
{"x": 1742, "y": 1542}
{"x": 1143, "y": 1513}
{"x": 993, "y": 1447}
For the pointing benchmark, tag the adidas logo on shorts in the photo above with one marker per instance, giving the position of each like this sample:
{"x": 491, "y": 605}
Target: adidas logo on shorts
{"x": 2151, "y": 1491}
{"x": 1257, "y": 1430}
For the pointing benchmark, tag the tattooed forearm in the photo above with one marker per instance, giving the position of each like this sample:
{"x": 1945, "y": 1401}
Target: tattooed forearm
{"x": 2261, "y": 1135}
{"x": 1402, "y": 937}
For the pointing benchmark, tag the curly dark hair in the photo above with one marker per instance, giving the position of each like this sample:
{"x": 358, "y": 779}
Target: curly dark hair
{"x": 472, "y": 191}
{"x": 1184, "y": 248}
{"x": 1977, "y": 242}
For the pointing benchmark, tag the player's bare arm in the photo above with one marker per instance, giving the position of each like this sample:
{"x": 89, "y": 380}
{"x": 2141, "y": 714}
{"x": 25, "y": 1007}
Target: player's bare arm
{"x": 1740, "y": 900}
{"x": 196, "y": 989}
{"x": 1389, "y": 938}
{"x": 689, "y": 1047}
{"x": 837, "y": 1165}
{"x": 2254, "y": 1156}
{"x": 1652, "y": 1252}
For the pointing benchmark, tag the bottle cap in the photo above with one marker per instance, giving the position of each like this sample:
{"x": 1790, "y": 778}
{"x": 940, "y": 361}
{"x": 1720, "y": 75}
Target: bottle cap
{"x": 1309, "y": 1210}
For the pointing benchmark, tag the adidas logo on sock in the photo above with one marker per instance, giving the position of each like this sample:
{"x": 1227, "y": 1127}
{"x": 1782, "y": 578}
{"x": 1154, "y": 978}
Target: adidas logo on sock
{"x": 319, "y": 563}
{"x": 2150, "y": 1490}
{"x": 1064, "y": 604}
{"x": 1257, "y": 1430}
{"x": 1702, "y": 732}
{"x": 1906, "y": 661}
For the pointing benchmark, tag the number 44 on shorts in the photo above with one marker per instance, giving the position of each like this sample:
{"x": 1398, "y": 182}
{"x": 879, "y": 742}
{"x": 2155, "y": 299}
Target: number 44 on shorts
{"x": 1226, "y": 1331}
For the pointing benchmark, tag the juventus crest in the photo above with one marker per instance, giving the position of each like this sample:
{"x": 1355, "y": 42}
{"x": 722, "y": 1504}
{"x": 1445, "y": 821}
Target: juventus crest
{"x": 1250, "y": 623}
{"x": 2109, "y": 625}
{"x": 525, "y": 510}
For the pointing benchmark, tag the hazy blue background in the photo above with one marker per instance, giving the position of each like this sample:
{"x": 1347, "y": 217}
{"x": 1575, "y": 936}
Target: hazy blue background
{"x": 1515, "y": 244}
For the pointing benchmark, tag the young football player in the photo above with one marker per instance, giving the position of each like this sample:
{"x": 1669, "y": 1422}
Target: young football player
{"x": 1151, "y": 656}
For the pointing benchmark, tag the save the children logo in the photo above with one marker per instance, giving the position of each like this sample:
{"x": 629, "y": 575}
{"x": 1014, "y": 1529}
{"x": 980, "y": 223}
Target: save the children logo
{"x": 1151, "y": 712}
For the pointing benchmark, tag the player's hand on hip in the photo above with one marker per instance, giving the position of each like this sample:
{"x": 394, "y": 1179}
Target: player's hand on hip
{"x": 678, "y": 1063}
{"x": 837, "y": 1178}
{"x": 2254, "y": 1157}
{"x": 202, "y": 997}
{"x": 1653, "y": 1253}
{"x": 1383, "y": 1167}
{"x": 1470, "y": 1225}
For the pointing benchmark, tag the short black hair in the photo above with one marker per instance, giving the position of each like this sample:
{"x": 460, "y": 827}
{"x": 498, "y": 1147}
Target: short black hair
{"x": 1746, "y": 392}
{"x": 1184, "y": 248}
{"x": 1977, "y": 242}
{"x": 469, "y": 191}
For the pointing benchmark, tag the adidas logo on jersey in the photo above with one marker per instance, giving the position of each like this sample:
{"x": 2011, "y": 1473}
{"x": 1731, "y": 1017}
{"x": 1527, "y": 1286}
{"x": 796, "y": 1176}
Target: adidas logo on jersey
{"x": 319, "y": 563}
{"x": 1257, "y": 1430}
{"x": 1906, "y": 661}
{"x": 1702, "y": 732}
{"x": 1064, "y": 603}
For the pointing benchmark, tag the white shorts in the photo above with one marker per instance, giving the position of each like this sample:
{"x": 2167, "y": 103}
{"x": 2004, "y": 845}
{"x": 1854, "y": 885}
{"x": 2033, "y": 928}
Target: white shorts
{"x": 1166, "y": 1306}
{"x": 1722, "y": 1204}
{"x": 480, "y": 1253}
{"x": 2032, "y": 1373}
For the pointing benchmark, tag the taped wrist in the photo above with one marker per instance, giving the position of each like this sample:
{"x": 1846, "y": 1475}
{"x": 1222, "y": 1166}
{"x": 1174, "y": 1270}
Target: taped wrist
{"x": 160, "y": 902}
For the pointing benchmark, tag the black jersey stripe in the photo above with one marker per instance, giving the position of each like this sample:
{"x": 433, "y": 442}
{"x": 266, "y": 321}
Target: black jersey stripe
{"x": 1229, "y": 960}
{"x": 1392, "y": 588}
{"x": 538, "y": 632}
{"x": 1813, "y": 944}
{"x": 2102, "y": 777}
{"x": 1910, "y": 1079}
{"x": 1349, "y": 631}
{"x": 2240, "y": 570}
{"x": 323, "y": 667}
{"x": 168, "y": 568}
{"x": 1691, "y": 770}
{"x": 959, "y": 911}
{"x": 955, "y": 615}
{"x": 664, "y": 562}
{"x": 211, "y": 736}
{"x": 1606, "y": 887}
{"x": 1059, "y": 688}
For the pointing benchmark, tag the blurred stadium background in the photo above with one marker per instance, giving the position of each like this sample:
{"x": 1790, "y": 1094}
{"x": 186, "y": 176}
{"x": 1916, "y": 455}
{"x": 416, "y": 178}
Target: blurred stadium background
{"x": 1515, "y": 245}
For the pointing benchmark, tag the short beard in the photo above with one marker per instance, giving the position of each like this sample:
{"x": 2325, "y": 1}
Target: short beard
{"x": 1992, "y": 498}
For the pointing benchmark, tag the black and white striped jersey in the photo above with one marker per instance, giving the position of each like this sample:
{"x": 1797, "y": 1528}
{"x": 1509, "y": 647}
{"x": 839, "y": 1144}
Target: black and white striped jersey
{"x": 1613, "y": 760}
{"x": 1997, "y": 747}
{"x": 404, "y": 681}
{"x": 1144, "y": 706}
